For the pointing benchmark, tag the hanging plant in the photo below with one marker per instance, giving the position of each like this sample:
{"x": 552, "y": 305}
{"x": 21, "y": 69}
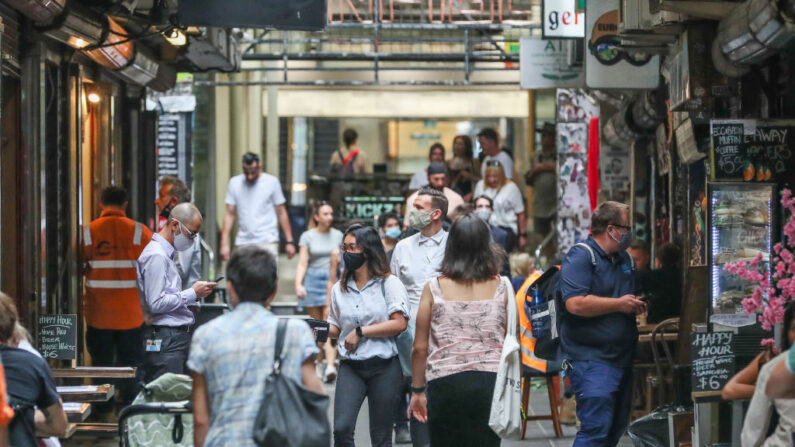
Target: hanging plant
{"x": 770, "y": 296}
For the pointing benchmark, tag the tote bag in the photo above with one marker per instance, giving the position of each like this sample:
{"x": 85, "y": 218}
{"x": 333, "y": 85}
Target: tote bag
{"x": 290, "y": 414}
{"x": 506, "y": 403}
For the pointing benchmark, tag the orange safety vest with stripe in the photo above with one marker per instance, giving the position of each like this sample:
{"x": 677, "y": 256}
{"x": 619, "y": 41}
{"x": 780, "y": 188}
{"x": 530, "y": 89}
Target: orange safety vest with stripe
{"x": 111, "y": 247}
{"x": 526, "y": 341}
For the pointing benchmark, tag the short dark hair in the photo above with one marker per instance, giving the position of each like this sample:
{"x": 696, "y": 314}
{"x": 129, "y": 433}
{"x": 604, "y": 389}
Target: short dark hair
{"x": 435, "y": 146}
{"x": 638, "y": 244}
{"x": 438, "y": 199}
{"x": 252, "y": 272}
{"x": 484, "y": 197}
{"x": 607, "y": 213}
{"x": 471, "y": 254}
{"x": 114, "y": 196}
{"x": 374, "y": 256}
{"x": 489, "y": 133}
{"x": 668, "y": 254}
{"x": 349, "y": 136}
{"x": 383, "y": 218}
{"x": 178, "y": 188}
{"x": 8, "y": 317}
{"x": 250, "y": 158}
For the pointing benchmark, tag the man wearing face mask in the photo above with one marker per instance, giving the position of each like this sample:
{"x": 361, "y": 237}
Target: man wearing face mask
{"x": 164, "y": 303}
{"x": 437, "y": 179}
{"x": 174, "y": 191}
{"x": 415, "y": 260}
{"x": 598, "y": 331}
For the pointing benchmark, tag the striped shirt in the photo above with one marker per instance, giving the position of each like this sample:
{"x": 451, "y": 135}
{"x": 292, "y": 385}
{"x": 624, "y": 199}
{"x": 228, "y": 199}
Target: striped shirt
{"x": 234, "y": 353}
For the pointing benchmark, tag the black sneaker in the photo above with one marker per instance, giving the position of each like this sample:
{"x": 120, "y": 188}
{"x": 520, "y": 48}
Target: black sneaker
{"x": 402, "y": 435}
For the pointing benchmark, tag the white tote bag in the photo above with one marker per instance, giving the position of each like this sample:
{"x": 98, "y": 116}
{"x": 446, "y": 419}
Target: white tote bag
{"x": 506, "y": 403}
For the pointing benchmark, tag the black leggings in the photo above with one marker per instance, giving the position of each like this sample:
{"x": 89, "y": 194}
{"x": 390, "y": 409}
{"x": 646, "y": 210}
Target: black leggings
{"x": 458, "y": 410}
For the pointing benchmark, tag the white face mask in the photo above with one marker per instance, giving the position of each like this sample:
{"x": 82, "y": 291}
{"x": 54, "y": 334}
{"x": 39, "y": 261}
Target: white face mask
{"x": 182, "y": 242}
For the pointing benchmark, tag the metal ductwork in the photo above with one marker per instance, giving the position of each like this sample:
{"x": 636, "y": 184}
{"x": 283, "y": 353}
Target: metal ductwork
{"x": 751, "y": 33}
{"x": 166, "y": 78}
{"x": 40, "y": 11}
{"x": 634, "y": 119}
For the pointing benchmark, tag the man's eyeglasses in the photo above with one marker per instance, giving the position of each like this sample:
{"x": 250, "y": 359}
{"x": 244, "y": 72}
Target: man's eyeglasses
{"x": 624, "y": 227}
{"x": 190, "y": 234}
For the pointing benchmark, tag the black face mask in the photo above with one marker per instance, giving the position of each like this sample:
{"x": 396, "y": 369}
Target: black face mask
{"x": 353, "y": 260}
{"x": 166, "y": 211}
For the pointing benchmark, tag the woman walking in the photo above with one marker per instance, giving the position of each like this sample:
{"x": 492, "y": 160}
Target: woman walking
{"x": 461, "y": 326}
{"x": 509, "y": 210}
{"x": 368, "y": 309}
{"x": 312, "y": 274}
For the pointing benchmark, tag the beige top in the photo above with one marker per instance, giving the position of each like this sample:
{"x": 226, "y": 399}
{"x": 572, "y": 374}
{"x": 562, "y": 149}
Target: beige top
{"x": 760, "y": 409}
{"x": 361, "y": 165}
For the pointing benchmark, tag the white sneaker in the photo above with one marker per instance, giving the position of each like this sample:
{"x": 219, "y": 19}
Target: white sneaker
{"x": 330, "y": 374}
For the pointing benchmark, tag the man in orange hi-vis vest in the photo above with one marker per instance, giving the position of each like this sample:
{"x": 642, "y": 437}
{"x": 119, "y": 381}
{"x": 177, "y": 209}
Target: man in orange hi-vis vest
{"x": 111, "y": 246}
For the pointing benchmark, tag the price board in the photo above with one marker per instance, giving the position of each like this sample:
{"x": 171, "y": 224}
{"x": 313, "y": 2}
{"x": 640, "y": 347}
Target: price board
{"x": 58, "y": 336}
{"x": 752, "y": 150}
{"x": 713, "y": 355}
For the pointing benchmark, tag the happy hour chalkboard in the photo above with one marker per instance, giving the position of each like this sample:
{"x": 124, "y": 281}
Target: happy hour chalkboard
{"x": 58, "y": 336}
{"x": 713, "y": 360}
{"x": 752, "y": 150}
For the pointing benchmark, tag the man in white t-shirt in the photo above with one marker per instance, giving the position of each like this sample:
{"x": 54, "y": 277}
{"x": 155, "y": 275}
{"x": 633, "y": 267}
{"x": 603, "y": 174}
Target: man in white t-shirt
{"x": 490, "y": 143}
{"x": 256, "y": 200}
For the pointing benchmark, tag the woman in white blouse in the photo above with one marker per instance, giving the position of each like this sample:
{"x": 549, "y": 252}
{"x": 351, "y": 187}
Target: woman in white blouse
{"x": 368, "y": 309}
{"x": 509, "y": 210}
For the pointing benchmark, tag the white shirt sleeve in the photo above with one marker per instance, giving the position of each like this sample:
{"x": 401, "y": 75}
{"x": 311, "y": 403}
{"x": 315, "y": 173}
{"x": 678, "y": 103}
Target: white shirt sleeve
{"x": 478, "y": 189}
{"x": 334, "y": 310}
{"x": 419, "y": 179}
{"x": 514, "y": 197}
{"x": 231, "y": 193}
{"x": 507, "y": 164}
{"x": 278, "y": 195}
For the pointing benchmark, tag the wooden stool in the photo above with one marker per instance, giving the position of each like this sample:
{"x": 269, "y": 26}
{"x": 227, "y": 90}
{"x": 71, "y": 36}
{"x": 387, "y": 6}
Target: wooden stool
{"x": 527, "y": 374}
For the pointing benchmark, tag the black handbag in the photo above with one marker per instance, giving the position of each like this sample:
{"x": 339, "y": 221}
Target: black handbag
{"x": 290, "y": 414}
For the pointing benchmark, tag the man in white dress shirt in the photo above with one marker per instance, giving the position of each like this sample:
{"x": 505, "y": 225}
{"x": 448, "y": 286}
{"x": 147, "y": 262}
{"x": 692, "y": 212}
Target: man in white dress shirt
{"x": 415, "y": 260}
{"x": 163, "y": 301}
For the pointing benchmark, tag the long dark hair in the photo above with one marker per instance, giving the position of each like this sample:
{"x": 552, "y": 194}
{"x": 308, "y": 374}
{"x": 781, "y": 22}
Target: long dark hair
{"x": 789, "y": 314}
{"x": 471, "y": 254}
{"x": 467, "y": 146}
{"x": 374, "y": 257}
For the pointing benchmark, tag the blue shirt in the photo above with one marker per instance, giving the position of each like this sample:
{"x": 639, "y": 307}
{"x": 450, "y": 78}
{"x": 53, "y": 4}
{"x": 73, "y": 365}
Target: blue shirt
{"x": 791, "y": 361}
{"x": 609, "y": 338}
{"x": 234, "y": 353}
{"x": 163, "y": 301}
{"x": 355, "y": 308}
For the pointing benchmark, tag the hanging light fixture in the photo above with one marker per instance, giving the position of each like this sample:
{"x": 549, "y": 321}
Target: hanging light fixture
{"x": 94, "y": 97}
{"x": 175, "y": 37}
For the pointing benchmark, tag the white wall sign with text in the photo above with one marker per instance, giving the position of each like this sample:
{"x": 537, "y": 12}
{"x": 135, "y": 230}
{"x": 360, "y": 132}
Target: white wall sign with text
{"x": 561, "y": 20}
{"x": 544, "y": 64}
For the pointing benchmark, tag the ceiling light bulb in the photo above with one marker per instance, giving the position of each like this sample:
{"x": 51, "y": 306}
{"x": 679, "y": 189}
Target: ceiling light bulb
{"x": 93, "y": 98}
{"x": 176, "y": 37}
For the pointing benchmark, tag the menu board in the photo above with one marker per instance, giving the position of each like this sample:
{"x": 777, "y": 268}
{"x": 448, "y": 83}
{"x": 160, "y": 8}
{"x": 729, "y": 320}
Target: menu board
{"x": 752, "y": 150}
{"x": 173, "y": 146}
{"x": 713, "y": 360}
{"x": 58, "y": 336}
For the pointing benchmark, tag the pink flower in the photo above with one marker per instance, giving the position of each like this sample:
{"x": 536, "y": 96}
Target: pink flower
{"x": 768, "y": 342}
{"x": 777, "y": 247}
{"x": 757, "y": 259}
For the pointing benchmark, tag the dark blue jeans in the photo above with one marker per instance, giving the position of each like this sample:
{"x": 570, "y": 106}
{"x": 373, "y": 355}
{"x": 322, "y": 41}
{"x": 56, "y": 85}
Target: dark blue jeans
{"x": 604, "y": 401}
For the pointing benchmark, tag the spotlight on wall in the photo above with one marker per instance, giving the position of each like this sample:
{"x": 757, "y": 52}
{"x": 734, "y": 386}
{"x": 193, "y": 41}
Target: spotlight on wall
{"x": 175, "y": 37}
{"x": 94, "y": 97}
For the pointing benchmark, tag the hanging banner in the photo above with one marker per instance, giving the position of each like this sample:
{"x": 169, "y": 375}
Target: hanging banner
{"x": 562, "y": 20}
{"x": 545, "y": 64}
{"x": 608, "y": 66}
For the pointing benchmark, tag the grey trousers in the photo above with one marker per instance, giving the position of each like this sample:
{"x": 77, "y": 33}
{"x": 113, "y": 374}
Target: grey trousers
{"x": 175, "y": 343}
{"x": 377, "y": 379}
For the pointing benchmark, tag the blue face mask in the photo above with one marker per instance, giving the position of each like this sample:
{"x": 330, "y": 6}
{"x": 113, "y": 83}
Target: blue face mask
{"x": 624, "y": 241}
{"x": 393, "y": 232}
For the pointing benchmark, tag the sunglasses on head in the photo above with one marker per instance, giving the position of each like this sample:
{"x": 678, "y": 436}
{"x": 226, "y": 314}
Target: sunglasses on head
{"x": 493, "y": 163}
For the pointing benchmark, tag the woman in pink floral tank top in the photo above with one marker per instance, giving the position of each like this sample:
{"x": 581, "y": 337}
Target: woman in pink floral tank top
{"x": 460, "y": 330}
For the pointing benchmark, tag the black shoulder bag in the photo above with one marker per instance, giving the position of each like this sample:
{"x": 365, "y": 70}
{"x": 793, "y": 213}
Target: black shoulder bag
{"x": 290, "y": 414}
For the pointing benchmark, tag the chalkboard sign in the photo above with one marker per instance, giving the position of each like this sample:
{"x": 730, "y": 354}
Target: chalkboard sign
{"x": 752, "y": 150}
{"x": 173, "y": 146}
{"x": 713, "y": 360}
{"x": 58, "y": 336}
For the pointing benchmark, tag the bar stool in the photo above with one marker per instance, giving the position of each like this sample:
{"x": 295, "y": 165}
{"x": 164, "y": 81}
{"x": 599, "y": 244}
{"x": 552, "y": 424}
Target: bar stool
{"x": 527, "y": 374}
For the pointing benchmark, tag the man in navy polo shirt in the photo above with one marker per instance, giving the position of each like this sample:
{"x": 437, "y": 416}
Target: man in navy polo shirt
{"x": 598, "y": 330}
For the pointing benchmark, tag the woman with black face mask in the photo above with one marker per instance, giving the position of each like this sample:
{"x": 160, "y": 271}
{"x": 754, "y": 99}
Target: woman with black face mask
{"x": 368, "y": 309}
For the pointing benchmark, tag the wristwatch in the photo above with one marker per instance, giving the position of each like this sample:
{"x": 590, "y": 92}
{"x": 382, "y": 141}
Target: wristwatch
{"x": 359, "y": 331}
{"x": 417, "y": 389}
{"x": 290, "y": 242}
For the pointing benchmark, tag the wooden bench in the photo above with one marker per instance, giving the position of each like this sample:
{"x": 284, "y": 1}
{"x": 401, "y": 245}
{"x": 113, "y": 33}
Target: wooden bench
{"x": 86, "y": 393}
{"x": 77, "y": 411}
{"x": 70, "y": 431}
{"x": 97, "y": 429}
{"x": 92, "y": 372}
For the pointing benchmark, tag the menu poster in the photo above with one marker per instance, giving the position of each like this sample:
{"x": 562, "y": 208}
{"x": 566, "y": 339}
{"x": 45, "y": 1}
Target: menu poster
{"x": 58, "y": 336}
{"x": 752, "y": 150}
{"x": 713, "y": 355}
{"x": 173, "y": 146}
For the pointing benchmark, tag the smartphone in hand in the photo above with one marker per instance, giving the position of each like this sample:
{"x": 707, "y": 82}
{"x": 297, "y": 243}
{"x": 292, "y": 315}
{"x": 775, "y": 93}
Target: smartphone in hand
{"x": 219, "y": 279}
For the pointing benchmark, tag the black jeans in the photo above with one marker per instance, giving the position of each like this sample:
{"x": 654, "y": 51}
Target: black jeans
{"x": 377, "y": 379}
{"x": 402, "y": 408}
{"x": 111, "y": 347}
{"x": 458, "y": 410}
{"x": 174, "y": 345}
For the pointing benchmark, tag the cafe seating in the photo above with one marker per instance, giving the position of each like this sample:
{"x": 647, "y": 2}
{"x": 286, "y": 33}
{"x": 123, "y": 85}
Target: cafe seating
{"x": 554, "y": 416}
{"x": 664, "y": 367}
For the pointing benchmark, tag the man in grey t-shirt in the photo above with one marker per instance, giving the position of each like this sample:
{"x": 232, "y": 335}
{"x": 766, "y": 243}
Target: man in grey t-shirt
{"x": 543, "y": 178}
